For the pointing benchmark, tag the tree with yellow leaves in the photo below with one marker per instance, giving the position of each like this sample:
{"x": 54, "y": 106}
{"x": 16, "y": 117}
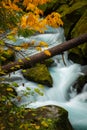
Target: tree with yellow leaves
{"x": 24, "y": 17}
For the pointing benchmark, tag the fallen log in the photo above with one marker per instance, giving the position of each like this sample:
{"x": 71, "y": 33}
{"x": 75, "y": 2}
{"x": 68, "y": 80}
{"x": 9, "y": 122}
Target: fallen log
{"x": 58, "y": 49}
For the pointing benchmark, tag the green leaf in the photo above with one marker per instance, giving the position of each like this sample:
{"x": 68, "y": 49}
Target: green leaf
{"x": 2, "y": 42}
{"x": 11, "y": 37}
{"x": 38, "y": 91}
{"x": 15, "y": 84}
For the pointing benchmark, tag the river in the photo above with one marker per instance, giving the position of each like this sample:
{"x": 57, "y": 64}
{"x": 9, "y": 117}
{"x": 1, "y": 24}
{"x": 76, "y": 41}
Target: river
{"x": 64, "y": 76}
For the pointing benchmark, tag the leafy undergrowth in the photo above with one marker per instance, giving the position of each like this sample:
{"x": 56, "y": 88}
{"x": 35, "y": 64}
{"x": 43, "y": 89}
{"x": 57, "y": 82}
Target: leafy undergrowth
{"x": 18, "y": 118}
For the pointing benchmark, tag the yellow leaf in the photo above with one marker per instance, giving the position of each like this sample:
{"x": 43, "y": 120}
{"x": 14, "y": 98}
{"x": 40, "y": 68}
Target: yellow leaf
{"x": 38, "y": 48}
{"x": 44, "y": 123}
{"x": 11, "y": 37}
{"x": 25, "y": 45}
{"x": 10, "y": 89}
{"x": 2, "y": 42}
{"x": 43, "y": 44}
{"x": 21, "y": 61}
{"x": 2, "y": 72}
{"x": 18, "y": 48}
{"x": 17, "y": 66}
{"x": 23, "y": 21}
{"x": 30, "y": 7}
{"x": 47, "y": 52}
{"x": 37, "y": 127}
{"x": 27, "y": 58}
{"x": 41, "y": 86}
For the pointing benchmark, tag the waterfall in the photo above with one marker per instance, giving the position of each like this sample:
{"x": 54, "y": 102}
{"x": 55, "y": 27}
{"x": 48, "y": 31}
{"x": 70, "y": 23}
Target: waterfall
{"x": 62, "y": 93}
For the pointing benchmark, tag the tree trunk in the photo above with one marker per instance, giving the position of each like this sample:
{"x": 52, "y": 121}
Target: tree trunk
{"x": 58, "y": 49}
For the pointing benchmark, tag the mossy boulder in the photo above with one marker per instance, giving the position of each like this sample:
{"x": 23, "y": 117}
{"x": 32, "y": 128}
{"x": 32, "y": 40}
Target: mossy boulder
{"x": 39, "y": 73}
{"x": 76, "y": 56}
{"x": 49, "y": 118}
{"x": 7, "y": 56}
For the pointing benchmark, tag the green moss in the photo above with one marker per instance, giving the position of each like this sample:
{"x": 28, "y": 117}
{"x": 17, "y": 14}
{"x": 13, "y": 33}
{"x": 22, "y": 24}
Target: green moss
{"x": 76, "y": 56}
{"x": 71, "y": 12}
{"x": 80, "y": 28}
{"x": 48, "y": 62}
{"x": 39, "y": 74}
{"x": 75, "y": 6}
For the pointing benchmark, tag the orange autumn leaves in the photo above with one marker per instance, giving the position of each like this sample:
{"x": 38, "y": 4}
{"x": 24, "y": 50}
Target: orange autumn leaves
{"x": 8, "y": 4}
{"x": 31, "y": 18}
{"x": 35, "y": 2}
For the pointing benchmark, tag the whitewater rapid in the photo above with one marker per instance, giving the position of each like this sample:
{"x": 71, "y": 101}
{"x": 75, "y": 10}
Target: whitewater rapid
{"x": 61, "y": 94}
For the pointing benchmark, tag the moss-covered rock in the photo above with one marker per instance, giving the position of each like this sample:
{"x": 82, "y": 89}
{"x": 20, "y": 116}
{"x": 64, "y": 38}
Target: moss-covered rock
{"x": 39, "y": 73}
{"x": 48, "y": 62}
{"x": 76, "y": 56}
{"x": 49, "y": 118}
{"x": 7, "y": 56}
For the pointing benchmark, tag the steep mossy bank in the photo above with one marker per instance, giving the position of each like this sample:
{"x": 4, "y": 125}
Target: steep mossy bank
{"x": 74, "y": 16}
{"x": 75, "y": 24}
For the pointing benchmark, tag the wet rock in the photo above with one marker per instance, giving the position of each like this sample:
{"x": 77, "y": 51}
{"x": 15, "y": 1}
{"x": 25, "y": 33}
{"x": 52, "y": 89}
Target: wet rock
{"x": 48, "y": 62}
{"x": 79, "y": 84}
{"x": 49, "y": 118}
{"x": 39, "y": 74}
{"x": 76, "y": 56}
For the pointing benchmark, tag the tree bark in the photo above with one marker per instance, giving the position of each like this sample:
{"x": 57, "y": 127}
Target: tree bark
{"x": 58, "y": 49}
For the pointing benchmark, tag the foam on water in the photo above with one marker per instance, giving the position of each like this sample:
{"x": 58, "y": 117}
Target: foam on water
{"x": 63, "y": 80}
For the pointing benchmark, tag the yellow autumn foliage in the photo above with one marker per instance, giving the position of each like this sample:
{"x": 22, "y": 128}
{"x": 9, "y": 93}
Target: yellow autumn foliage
{"x": 30, "y": 19}
{"x": 54, "y": 20}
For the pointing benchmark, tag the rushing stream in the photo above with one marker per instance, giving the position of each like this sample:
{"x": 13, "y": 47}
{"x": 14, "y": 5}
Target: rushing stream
{"x": 62, "y": 93}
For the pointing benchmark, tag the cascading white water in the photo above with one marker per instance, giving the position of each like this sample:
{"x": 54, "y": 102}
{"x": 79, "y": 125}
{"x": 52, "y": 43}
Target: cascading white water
{"x": 61, "y": 94}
